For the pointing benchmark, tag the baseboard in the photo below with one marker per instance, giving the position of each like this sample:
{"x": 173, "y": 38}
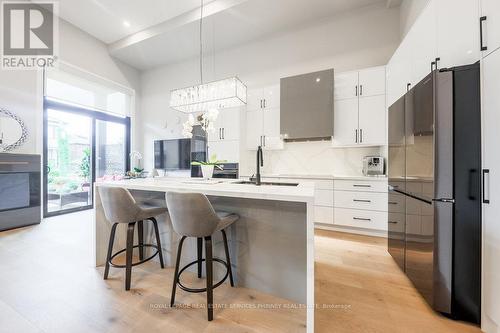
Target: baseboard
{"x": 352, "y": 230}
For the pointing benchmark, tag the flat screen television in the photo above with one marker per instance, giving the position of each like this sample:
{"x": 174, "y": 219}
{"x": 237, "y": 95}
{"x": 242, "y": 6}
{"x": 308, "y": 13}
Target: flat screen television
{"x": 173, "y": 154}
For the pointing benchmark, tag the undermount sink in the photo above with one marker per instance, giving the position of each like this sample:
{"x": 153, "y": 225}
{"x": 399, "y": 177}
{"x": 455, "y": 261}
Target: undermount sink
{"x": 247, "y": 182}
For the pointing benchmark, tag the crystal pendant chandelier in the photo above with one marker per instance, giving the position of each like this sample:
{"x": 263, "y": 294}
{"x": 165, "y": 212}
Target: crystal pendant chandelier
{"x": 225, "y": 93}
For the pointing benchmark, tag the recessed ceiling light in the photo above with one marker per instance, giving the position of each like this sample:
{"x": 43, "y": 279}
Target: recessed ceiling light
{"x": 318, "y": 79}
{"x": 126, "y": 23}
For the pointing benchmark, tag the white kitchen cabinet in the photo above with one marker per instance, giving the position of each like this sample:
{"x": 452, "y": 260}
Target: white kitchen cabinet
{"x": 372, "y": 81}
{"x": 491, "y": 190}
{"x": 399, "y": 72}
{"x": 490, "y": 10}
{"x": 360, "y": 219}
{"x": 346, "y": 85}
{"x": 372, "y": 120}
{"x": 422, "y": 37}
{"x": 227, "y": 125}
{"x": 457, "y": 32}
{"x": 345, "y": 125}
{"x": 225, "y": 150}
{"x": 360, "y": 120}
{"x": 263, "y": 119}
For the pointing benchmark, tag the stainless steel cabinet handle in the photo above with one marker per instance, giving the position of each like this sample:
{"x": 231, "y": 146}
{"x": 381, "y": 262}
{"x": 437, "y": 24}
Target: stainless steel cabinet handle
{"x": 444, "y": 200}
{"x": 486, "y": 199}
{"x": 264, "y": 140}
{"x": 261, "y": 140}
{"x": 223, "y": 133}
{"x": 264, "y": 103}
{"x": 356, "y": 138}
{"x": 393, "y": 222}
{"x": 261, "y": 104}
{"x": 392, "y": 203}
{"x": 361, "y": 219}
{"x": 220, "y": 133}
{"x": 361, "y": 185}
{"x": 361, "y": 90}
{"x": 360, "y": 200}
{"x": 481, "y": 20}
{"x": 361, "y": 135}
{"x": 356, "y": 90}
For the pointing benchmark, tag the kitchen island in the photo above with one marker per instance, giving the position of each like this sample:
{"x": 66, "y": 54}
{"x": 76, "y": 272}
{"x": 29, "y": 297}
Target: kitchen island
{"x": 271, "y": 245}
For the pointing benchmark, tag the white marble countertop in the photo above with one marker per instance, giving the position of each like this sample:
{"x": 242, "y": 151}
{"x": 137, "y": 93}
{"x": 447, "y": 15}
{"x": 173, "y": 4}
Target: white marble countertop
{"x": 327, "y": 177}
{"x": 304, "y": 192}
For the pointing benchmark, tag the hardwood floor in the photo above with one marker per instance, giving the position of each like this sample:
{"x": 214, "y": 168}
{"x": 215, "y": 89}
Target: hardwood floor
{"x": 48, "y": 284}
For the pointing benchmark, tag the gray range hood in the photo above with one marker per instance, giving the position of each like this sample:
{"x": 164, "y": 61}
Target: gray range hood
{"x": 306, "y": 106}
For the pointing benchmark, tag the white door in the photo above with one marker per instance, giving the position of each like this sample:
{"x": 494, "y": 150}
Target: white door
{"x": 423, "y": 38}
{"x": 345, "y": 123}
{"x": 228, "y": 151}
{"x": 346, "y": 85}
{"x": 271, "y": 129}
{"x": 254, "y": 99}
{"x": 254, "y": 129}
{"x": 491, "y": 211}
{"x": 231, "y": 124}
{"x": 372, "y": 120}
{"x": 491, "y": 26}
{"x": 372, "y": 81}
{"x": 457, "y": 32}
{"x": 271, "y": 96}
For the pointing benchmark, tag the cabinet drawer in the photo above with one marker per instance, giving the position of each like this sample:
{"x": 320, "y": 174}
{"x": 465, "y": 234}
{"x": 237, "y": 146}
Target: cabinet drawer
{"x": 360, "y": 218}
{"x": 360, "y": 200}
{"x": 361, "y": 185}
{"x": 323, "y": 214}
{"x": 323, "y": 198}
{"x": 324, "y": 184}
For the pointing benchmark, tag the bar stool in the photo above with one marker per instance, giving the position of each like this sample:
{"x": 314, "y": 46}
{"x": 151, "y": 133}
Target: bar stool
{"x": 192, "y": 215}
{"x": 120, "y": 207}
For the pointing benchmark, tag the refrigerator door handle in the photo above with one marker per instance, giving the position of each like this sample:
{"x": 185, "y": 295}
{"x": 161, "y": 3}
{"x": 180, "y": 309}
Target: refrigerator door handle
{"x": 447, "y": 200}
{"x": 486, "y": 200}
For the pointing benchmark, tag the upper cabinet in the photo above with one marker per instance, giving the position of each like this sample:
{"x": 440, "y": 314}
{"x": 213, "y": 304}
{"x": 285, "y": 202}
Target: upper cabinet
{"x": 490, "y": 26}
{"x": 263, "y": 118}
{"x": 225, "y": 140}
{"x": 446, "y": 34}
{"x": 360, "y": 117}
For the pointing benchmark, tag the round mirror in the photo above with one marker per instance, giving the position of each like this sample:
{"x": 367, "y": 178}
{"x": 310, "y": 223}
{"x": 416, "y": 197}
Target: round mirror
{"x": 13, "y": 132}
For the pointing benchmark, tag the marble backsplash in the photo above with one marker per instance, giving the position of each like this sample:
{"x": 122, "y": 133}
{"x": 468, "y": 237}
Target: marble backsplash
{"x": 310, "y": 158}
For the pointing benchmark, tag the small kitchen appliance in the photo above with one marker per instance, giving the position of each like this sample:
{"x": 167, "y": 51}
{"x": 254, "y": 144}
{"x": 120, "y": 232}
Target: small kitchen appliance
{"x": 373, "y": 165}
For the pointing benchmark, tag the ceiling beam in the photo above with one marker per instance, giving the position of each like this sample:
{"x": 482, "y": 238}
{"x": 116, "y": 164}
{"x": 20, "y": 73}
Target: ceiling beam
{"x": 209, "y": 9}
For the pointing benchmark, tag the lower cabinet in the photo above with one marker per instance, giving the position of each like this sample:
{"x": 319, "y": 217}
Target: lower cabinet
{"x": 225, "y": 150}
{"x": 357, "y": 218}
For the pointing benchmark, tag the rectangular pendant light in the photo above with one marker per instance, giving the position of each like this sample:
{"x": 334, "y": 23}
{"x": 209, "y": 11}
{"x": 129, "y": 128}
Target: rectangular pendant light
{"x": 225, "y": 93}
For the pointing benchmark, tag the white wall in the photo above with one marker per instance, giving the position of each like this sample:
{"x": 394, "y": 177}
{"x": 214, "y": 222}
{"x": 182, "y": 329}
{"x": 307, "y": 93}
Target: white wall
{"x": 21, "y": 91}
{"x": 410, "y": 10}
{"x": 350, "y": 41}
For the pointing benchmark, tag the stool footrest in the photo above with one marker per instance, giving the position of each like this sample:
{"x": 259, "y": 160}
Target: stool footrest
{"x": 135, "y": 263}
{"x": 201, "y": 290}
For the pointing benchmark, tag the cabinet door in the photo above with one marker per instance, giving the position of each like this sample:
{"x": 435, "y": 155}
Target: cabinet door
{"x": 271, "y": 96}
{"x": 216, "y": 135}
{"x": 225, "y": 150}
{"x": 345, "y": 124}
{"x": 458, "y": 33}
{"x": 423, "y": 38}
{"x": 372, "y": 81}
{"x": 254, "y": 128}
{"x": 231, "y": 124}
{"x": 254, "y": 99}
{"x": 372, "y": 120}
{"x": 491, "y": 161}
{"x": 271, "y": 129}
{"x": 491, "y": 27}
{"x": 399, "y": 72}
{"x": 345, "y": 85}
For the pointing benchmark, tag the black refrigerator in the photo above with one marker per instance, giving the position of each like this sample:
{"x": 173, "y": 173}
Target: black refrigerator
{"x": 434, "y": 207}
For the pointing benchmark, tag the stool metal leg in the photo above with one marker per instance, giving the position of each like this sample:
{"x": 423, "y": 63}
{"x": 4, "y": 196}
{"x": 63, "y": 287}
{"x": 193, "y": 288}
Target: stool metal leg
{"x": 110, "y": 250}
{"x": 208, "y": 262}
{"x": 128, "y": 263}
{"x": 140, "y": 235}
{"x": 158, "y": 242}
{"x": 176, "y": 273}
{"x": 200, "y": 254}
{"x": 228, "y": 259}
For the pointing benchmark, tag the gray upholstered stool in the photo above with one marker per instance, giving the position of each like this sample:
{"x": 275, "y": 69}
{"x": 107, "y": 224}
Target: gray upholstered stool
{"x": 120, "y": 207}
{"x": 192, "y": 215}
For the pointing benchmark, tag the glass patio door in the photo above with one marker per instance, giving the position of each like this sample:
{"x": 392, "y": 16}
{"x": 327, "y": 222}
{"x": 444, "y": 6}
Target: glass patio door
{"x": 81, "y": 146}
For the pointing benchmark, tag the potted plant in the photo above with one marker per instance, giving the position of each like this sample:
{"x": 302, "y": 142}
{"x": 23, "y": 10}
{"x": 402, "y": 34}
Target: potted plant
{"x": 207, "y": 168}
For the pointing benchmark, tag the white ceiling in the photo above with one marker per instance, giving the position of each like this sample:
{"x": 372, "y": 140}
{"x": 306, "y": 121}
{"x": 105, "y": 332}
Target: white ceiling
{"x": 166, "y": 31}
